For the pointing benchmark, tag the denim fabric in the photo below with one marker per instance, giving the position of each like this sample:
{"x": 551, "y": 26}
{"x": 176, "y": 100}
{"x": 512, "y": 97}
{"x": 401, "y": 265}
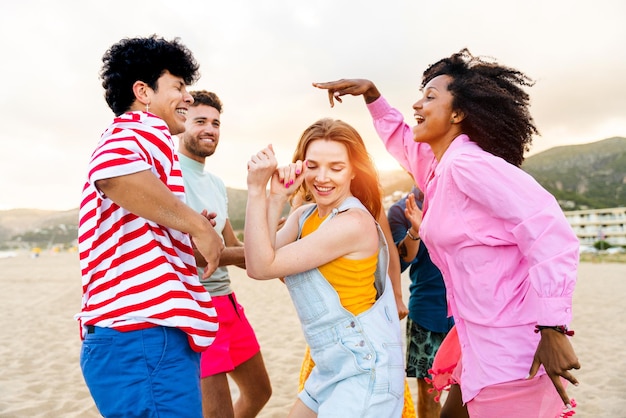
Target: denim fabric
{"x": 359, "y": 364}
{"x": 146, "y": 373}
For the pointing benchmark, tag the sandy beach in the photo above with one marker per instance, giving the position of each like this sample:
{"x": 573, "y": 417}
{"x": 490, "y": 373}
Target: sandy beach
{"x": 39, "y": 349}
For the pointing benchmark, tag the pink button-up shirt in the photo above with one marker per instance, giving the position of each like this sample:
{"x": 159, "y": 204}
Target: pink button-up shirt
{"x": 507, "y": 254}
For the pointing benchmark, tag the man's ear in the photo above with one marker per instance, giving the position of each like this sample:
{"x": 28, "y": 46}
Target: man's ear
{"x": 142, "y": 92}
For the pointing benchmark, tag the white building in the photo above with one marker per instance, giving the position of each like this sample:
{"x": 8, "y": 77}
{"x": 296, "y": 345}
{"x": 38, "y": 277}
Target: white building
{"x": 593, "y": 225}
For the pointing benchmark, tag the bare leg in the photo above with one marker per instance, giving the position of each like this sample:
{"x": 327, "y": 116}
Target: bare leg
{"x": 216, "y": 400}
{"x": 427, "y": 407}
{"x": 254, "y": 391}
{"x": 300, "y": 410}
{"x": 254, "y": 387}
{"x": 454, "y": 408}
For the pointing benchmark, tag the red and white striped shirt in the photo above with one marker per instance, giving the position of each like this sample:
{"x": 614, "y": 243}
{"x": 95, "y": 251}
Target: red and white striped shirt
{"x": 136, "y": 273}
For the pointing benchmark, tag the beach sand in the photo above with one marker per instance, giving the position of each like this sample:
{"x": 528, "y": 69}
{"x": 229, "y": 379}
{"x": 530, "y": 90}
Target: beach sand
{"x": 39, "y": 340}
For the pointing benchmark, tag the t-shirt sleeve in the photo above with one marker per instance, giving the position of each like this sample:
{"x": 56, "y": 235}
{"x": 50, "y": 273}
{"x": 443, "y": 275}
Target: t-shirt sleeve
{"x": 397, "y": 222}
{"x": 117, "y": 156}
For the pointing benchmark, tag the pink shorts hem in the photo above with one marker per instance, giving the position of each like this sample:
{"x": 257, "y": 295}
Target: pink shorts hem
{"x": 235, "y": 342}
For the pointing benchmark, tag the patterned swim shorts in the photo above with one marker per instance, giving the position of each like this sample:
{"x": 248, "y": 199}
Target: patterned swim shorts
{"x": 422, "y": 345}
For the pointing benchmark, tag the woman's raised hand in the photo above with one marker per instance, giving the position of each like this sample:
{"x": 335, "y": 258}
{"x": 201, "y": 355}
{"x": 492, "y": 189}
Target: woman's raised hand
{"x": 288, "y": 178}
{"x": 261, "y": 167}
{"x": 354, "y": 87}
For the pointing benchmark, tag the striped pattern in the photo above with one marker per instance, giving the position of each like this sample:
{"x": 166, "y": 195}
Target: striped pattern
{"x": 135, "y": 273}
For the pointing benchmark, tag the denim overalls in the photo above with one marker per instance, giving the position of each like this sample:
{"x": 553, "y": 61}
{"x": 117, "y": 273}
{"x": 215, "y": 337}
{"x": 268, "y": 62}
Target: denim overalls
{"x": 359, "y": 363}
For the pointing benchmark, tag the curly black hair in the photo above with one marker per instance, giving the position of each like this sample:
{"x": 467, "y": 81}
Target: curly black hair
{"x": 207, "y": 98}
{"x": 144, "y": 59}
{"x": 492, "y": 98}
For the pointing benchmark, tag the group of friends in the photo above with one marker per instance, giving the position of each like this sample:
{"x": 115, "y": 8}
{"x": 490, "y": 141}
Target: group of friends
{"x": 491, "y": 257}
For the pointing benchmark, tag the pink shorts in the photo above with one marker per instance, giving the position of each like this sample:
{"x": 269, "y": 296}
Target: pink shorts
{"x": 534, "y": 398}
{"x": 235, "y": 342}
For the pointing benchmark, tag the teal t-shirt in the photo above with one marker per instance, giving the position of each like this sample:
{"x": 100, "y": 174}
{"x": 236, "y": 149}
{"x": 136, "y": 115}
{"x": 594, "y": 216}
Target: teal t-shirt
{"x": 204, "y": 190}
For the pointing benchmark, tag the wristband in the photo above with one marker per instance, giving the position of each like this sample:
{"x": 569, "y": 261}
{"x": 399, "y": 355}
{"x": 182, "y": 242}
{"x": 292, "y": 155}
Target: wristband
{"x": 558, "y": 328}
{"x": 408, "y": 234}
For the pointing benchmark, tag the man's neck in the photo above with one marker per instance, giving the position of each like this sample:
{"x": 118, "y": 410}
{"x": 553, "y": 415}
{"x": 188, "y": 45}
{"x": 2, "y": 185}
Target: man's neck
{"x": 201, "y": 160}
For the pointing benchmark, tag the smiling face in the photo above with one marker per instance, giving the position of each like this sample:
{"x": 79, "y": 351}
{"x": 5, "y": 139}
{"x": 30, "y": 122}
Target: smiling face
{"x": 202, "y": 132}
{"x": 170, "y": 101}
{"x": 328, "y": 174}
{"x": 437, "y": 122}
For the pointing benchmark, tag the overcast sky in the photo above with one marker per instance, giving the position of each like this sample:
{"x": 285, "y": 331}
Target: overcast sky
{"x": 260, "y": 57}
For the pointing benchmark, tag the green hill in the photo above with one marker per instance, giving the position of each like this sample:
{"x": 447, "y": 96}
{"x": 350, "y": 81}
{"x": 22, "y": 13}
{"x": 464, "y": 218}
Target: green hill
{"x": 237, "y": 199}
{"x": 588, "y": 176}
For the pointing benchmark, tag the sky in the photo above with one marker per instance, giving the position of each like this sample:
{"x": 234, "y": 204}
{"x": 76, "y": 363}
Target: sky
{"x": 261, "y": 57}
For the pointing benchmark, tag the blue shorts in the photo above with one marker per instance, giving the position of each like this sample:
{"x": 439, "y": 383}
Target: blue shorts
{"x": 147, "y": 373}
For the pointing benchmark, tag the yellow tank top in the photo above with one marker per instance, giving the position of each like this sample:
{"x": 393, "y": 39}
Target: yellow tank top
{"x": 353, "y": 280}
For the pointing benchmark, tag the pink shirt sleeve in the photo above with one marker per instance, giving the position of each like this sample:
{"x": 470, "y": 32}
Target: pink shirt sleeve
{"x": 414, "y": 157}
{"x": 523, "y": 212}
